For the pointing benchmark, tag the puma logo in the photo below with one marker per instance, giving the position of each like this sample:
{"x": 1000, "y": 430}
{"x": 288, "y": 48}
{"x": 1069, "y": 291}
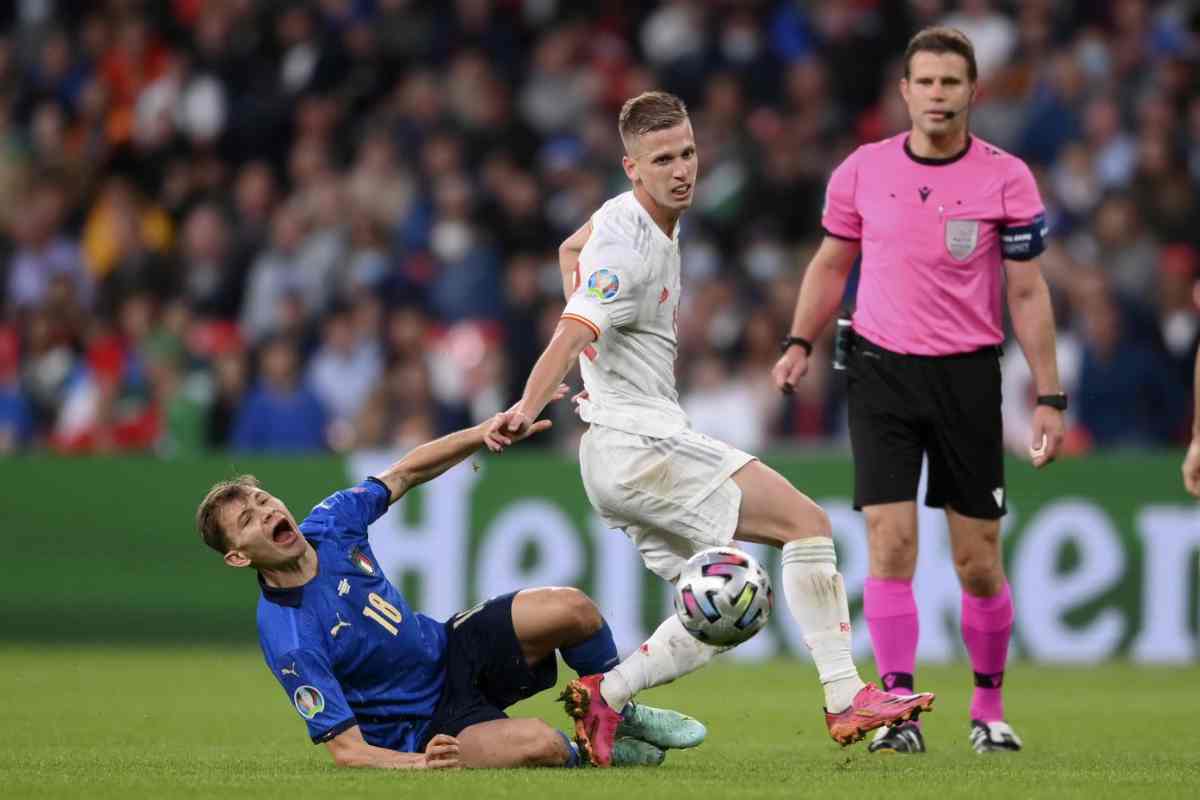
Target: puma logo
{"x": 341, "y": 623}
{"x": 290, "y": 670}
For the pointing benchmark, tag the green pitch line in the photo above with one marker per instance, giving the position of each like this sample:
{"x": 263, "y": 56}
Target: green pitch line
{"x": 129, "y": 723}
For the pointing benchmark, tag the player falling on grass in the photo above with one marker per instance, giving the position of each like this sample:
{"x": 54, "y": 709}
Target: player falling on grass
{"x": 672, "y": 490}
{"x": 383, "y": 686}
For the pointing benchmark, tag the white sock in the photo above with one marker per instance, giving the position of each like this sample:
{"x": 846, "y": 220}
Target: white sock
{"x": 669, "y": 653}
{"x": 817, "y": 599}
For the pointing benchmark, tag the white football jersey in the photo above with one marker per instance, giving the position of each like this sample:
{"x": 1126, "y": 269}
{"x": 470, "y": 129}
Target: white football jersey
{"x": 628, "y": 294}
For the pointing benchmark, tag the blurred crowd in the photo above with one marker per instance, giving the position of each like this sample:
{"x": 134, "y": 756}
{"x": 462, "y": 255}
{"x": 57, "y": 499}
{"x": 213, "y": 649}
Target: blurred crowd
{"x": 302, "y": 226}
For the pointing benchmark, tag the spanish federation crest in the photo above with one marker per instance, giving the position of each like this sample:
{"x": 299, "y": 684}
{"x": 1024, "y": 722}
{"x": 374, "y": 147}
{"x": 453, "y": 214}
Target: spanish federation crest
{"x": 961, "y": 237}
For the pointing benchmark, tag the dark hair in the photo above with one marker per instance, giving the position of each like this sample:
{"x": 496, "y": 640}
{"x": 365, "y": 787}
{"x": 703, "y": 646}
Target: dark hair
{"x": 939, "y": 40}
{"x": 650, "y": 111}
{"x": 207, "y": 521}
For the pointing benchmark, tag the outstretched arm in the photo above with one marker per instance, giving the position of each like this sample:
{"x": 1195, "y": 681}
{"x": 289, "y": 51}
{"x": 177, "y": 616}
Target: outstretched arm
{"x": 431, "y": 459}
{"x": 350, "y": 749}
{"x": 570, "y": 337}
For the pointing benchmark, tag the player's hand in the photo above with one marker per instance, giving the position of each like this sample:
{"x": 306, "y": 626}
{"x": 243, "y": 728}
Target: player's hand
{"x": 510, "y": 427}
{"x": 1191, "y": 468}
{"x": 562, "y": 391}
{"x": 442, "y": 753}
{"x": 504, "y": 428}
{"x": 789, "y": 369}
{"x": 1048, "y": 431}
{"x": 579, "y": 398}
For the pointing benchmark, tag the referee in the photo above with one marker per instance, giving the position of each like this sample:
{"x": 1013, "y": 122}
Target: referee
{"x": 947, "y": 226}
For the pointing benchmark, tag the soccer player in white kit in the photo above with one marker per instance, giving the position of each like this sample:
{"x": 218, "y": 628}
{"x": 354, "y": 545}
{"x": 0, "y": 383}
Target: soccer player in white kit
{"x": 672, "y": 490}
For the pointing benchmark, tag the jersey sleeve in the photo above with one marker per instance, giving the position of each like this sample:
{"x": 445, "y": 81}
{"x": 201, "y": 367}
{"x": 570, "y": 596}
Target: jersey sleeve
{"x": 1023, "y": 233}
{"x": 840, "y": 217}
{"x": 611, "y": 281}
{"x": 348, "y": 513}
{"x": 314, "y": 693}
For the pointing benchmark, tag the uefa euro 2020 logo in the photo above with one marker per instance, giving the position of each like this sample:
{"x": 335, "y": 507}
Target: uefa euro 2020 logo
{"x": 603, "y": 284}
{"x": 309, "y": 701}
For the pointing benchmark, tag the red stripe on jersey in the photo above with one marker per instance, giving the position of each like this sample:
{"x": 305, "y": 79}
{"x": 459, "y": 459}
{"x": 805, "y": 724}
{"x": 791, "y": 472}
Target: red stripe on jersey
{"x": 591, "y": 325}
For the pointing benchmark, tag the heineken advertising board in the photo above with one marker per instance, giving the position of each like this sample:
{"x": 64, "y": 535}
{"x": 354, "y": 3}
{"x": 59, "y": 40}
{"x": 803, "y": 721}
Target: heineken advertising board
{"x": 1103, "y": 553}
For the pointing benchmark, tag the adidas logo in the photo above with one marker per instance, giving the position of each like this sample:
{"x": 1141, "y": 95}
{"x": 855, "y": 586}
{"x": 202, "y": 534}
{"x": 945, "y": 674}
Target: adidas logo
{"x": 998, "y": 493}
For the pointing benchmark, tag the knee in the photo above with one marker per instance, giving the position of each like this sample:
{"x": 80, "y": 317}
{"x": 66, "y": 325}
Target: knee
{"x": 816, "y": 519}
{"x": 543, "y": 746}
{"x": 889, "y": 536}
{"x": 581, "y": 616}
{"x": 979, "y": 564}
{"x": 893, "y": 546}
{"x": 981, "y": 575}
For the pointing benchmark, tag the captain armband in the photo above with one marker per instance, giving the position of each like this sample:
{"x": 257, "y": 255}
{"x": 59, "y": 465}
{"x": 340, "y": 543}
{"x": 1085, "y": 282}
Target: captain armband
{"x": 1024, "y": 242}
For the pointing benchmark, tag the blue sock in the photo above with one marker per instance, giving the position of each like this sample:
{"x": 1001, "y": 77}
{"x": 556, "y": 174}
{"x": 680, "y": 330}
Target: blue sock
{"x": 573, "y": 759}
{"x": 595, "y": 655}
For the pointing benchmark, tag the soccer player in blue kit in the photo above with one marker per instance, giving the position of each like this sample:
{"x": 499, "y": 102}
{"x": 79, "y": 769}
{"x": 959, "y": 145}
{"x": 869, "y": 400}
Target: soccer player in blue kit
{"x": 383, "y": 686}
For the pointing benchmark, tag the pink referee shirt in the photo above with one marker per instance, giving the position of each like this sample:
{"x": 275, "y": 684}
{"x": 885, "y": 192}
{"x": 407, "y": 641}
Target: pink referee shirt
{"x": 934, "y": 238}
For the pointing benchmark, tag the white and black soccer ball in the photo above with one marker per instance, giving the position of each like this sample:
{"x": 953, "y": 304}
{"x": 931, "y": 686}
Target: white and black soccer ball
{"x": 723, "y": 596}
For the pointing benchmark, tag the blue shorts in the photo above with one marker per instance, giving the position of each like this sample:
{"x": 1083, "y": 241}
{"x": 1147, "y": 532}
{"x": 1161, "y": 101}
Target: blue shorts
{"x": 486, "y": 671}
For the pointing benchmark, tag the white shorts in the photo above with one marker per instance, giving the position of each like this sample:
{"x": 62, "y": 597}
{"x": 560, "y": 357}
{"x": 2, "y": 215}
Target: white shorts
{"x": 672, "y": 497}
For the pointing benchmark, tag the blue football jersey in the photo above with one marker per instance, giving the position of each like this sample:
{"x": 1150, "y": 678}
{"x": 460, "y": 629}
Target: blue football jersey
{"x": 346, "y": 646}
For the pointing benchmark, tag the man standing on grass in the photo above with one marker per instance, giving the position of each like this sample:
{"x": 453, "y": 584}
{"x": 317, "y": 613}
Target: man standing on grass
{"x": 944, "y": 221}
{"x": 383, "y": 686}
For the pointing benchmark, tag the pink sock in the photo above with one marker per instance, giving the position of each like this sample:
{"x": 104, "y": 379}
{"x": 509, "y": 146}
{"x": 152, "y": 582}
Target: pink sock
{"x": 891, "y": 614}
{"x": 986, "y": 627}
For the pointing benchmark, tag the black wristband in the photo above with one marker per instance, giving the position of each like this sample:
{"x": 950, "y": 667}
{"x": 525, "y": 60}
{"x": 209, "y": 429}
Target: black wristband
{"x": 788, "y": 341}
{"x": 1058, "y": 401}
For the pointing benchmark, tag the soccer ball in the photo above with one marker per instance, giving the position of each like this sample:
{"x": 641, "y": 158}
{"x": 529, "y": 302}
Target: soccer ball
{"x": 723, "y": 596}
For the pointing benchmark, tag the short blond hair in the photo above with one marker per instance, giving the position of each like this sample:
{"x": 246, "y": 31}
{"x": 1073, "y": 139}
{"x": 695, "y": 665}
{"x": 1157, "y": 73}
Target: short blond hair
{"x": 208, "y": 513}
{"x": 649, "y": 111}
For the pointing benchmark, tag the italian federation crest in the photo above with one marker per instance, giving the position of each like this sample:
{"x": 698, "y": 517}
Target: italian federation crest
{"x": 360, "y": 560}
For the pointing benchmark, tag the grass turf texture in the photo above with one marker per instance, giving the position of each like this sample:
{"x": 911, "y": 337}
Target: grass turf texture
{"x": 123, "y": 723}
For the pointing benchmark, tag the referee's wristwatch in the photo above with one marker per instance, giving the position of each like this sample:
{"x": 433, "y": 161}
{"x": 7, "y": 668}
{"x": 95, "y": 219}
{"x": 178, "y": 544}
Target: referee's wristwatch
{"x": 795, "y": 341}
{"x": 1058, "y": 401}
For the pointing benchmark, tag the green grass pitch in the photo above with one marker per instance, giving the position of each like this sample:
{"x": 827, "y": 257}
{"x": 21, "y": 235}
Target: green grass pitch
{"x": 131, "y": 723}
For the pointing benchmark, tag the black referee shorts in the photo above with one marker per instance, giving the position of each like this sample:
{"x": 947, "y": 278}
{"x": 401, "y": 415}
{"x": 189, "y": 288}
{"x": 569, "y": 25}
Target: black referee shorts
{"x": 945, "y": 407}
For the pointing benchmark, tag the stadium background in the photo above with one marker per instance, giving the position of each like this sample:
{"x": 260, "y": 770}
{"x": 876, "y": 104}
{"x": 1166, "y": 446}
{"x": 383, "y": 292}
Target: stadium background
{"x": 297, "y": 238}
{"x": 328, "y": 232}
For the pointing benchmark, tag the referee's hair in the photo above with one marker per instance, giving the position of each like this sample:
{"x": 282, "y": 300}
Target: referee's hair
{"x": 649, "y": 111}
{"x": 941, "y": 39}
{"x": 207, "y": 520}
